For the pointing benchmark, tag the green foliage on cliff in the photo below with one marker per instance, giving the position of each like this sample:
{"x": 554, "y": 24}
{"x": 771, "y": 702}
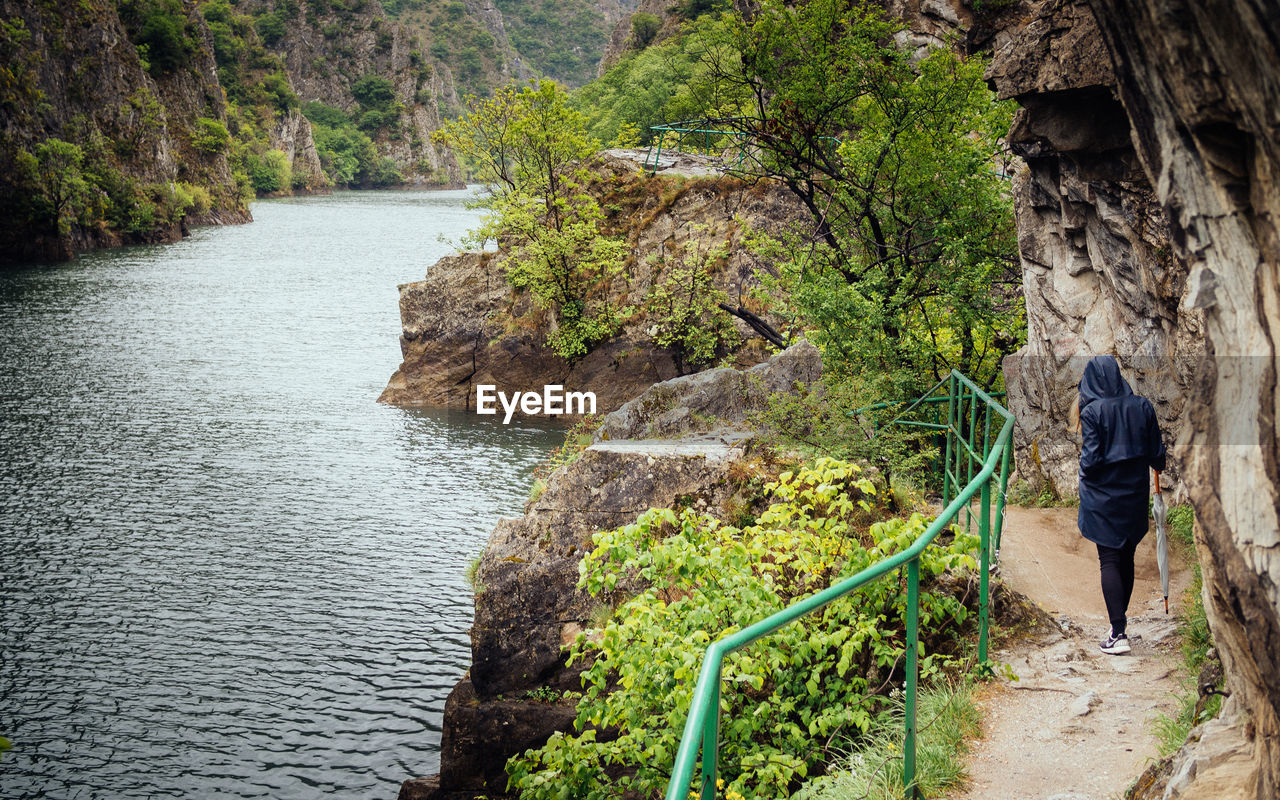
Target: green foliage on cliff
{"x": 66, "y": 184}
{"x": 563, "y": 39}
{"x": 161, "y": 31}
{"x": 654, "y": 85}
{"x": 792, "y": 702}
{"x": 533, "y": 149}
{"x": 379, "y": 108}
{"x": 347, "y": 154}
{"x": 907, "y": 266}
{"x": 454, "y": 40}
{"x": 682, "y": 306}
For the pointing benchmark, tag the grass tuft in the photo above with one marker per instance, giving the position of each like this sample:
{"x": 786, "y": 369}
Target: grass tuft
{"x": 947, "y": 721}
{"x": 1172, "y": 731}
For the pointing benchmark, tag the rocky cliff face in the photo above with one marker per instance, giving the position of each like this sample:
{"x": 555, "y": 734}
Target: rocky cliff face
{"x": 1148, "y": 223}
{"x": 527, "y": 603}
{"x": 73, "y": 72}
{"x": 1200, "y": 83}
{"x": 328, "y": 48}
{"x": 465, "y": 325}
{"x": 292, "y": 136}
{"x": 1099, "y": 275}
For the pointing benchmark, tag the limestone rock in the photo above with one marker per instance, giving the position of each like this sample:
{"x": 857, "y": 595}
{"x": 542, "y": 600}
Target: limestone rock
{"x": 1165, "y": 252}
{"x": 292, "y": 136}
{"x": 712, "y": 398}
{"x": 1098, "y": 271}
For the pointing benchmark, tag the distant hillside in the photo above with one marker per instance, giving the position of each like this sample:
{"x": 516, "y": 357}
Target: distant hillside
{"x": 127, "y": 120}
{"x": 366, "y": 84}
{"x": 488, "y": 44}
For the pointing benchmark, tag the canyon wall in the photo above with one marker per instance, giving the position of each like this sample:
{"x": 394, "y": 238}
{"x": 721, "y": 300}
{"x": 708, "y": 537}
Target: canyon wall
{"x": 74, "y": 72}
{"x": 1099, "y": 275}
{"x": 1147, "y": 216}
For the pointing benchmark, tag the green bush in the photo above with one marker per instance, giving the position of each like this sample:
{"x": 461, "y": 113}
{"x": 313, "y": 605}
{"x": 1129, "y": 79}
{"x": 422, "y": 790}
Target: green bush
{"x": 374, "y": 92}
{"x": 789, "y": 701}
{"x": 279, "y": 94}
{"x": 210, "y": 136}
{"x": 270, "y": 28}
{"x": 682, "y": 305}
{"x": 385, "y": 172}
{"x": 270, "y": 172}
{"x": 347, "y": 155}
{"x": 159, "y": 30}
{"x": 321, "y": 114}
{"x": 643, "y": 28}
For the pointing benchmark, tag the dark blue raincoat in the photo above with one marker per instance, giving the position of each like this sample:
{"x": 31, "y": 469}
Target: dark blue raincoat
{"x": 1121, "y": 443}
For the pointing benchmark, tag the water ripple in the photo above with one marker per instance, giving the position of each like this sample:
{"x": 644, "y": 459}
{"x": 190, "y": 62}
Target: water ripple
{"x": 226, "y": 571}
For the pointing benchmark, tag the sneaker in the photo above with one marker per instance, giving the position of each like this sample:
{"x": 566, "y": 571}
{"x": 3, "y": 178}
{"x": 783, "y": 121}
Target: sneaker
{"x": 1115, "y": 645}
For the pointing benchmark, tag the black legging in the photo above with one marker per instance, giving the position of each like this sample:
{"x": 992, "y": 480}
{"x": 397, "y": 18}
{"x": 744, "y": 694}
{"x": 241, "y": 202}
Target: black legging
{"x": 1117, "y": 582}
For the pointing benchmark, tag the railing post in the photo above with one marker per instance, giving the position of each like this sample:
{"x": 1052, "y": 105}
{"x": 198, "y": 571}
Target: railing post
{"x": 711, "y": 744}
{"x": 1005, "y": 462}
{"x": 984, "y": 567}
{"x": 952, "y": 431}
{"x": 968, "y": 454}
{"x": 909, "y": 710}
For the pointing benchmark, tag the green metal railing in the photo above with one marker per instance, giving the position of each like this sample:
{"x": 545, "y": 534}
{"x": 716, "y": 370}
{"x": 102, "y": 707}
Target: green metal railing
{"x": 698, "y": 136}
{"x": 975, "y": 451}
{"x": 712, "y": 137}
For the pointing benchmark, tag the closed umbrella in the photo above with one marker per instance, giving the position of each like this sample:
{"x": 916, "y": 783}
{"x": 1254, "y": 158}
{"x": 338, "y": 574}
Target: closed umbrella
{"x": 1161, "y": 514}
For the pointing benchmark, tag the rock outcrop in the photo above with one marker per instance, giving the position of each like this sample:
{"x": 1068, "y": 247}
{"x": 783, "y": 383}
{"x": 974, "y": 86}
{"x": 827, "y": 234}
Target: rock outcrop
{"x": 1200, "y": 83}
{"x": 1148, "y": 219}
{"x": 528, "y": 606}
{"x": 465, "y": 325}
{"x": 1098, "y": 271}
{"x": 292, "y": 136}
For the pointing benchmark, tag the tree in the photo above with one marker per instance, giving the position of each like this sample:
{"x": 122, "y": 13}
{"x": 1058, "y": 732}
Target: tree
{"x": 907, "y": 264}
{"x": 643, "y": 28}
{"x": 534, "y": 151}
{"x": 683, "y": 305}
{"x": 57, "y": 170}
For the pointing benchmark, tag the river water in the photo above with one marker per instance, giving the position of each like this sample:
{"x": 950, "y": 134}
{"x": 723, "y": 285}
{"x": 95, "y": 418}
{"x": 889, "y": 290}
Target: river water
{"x": 225, "y": 571}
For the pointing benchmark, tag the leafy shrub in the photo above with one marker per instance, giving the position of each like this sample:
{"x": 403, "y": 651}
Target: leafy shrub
{"x": 210, "y": 136}
{"x": 200, "y": 199}
{"x": 533, "y": 148}
{"x": 385, "y": 172}
{"x": 683, "y": 306}
{"x": 270, "y": 172}
{"x": 326, "y": 115}
{"x": 373, "y": 91}
{"x": 789, "y": 700}
{"x": 278, "y": 92}
{"x": 159, "y": 30}
{"x": 347, "y": 155}
{"x": 271, "y": 28}
{"x": 643, "y": 28}
{"x": 63, "y": 194}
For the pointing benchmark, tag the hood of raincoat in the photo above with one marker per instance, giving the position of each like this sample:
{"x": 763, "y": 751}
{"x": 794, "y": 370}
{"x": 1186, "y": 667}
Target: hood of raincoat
{"x": 1102, "y": 379}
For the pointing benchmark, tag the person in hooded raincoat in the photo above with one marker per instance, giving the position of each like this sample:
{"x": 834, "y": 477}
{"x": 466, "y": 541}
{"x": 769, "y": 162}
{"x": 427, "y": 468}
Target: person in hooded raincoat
{"x": 1120, "y": 443}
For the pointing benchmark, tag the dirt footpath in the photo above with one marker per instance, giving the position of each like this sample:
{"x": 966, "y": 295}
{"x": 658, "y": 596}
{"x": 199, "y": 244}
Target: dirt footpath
{"x": 1076, "y": 724}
